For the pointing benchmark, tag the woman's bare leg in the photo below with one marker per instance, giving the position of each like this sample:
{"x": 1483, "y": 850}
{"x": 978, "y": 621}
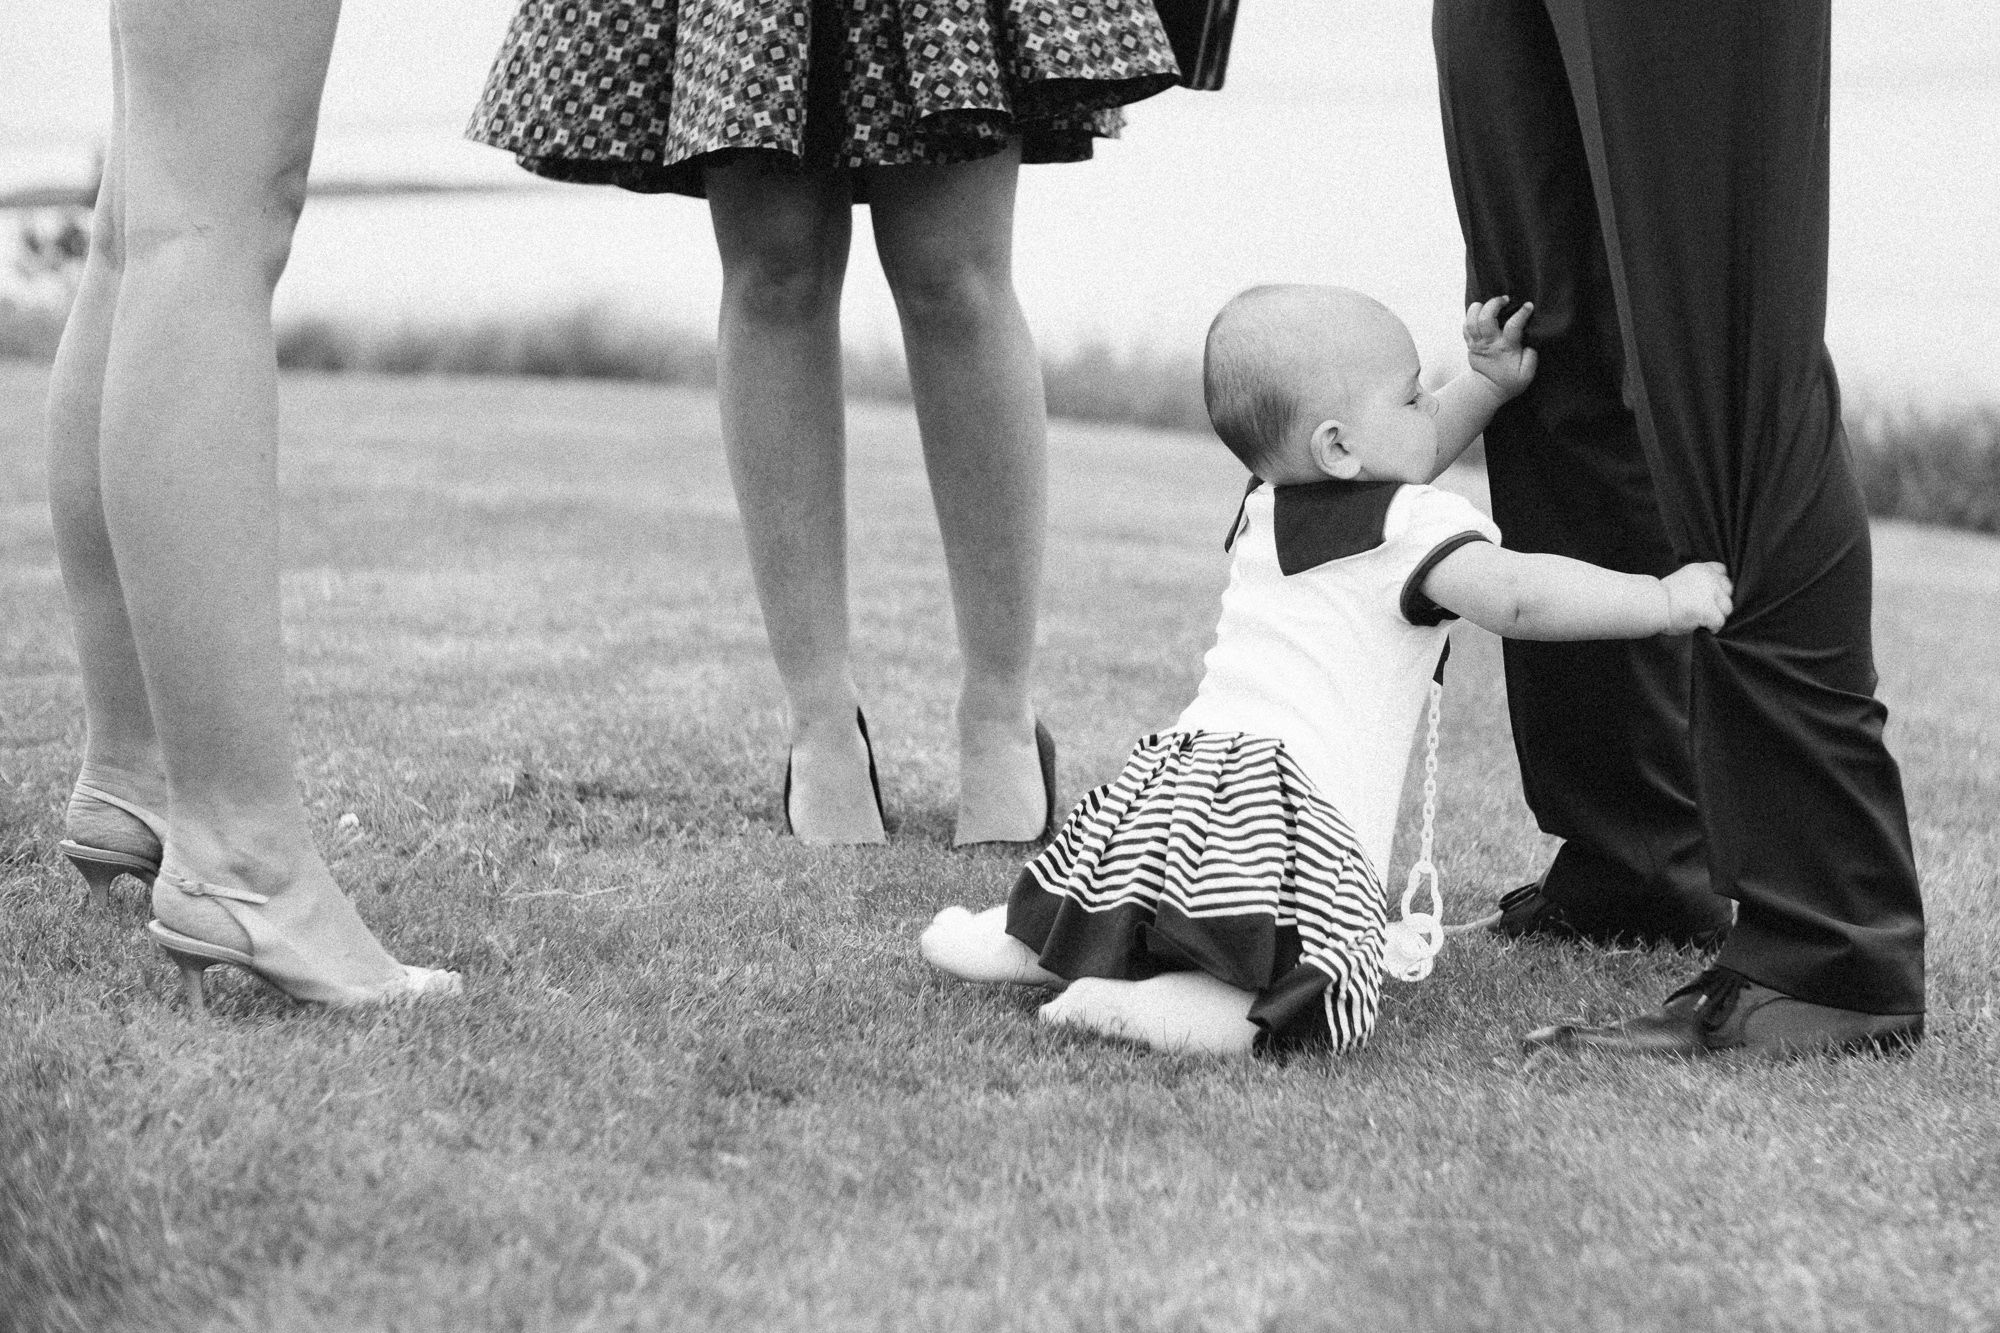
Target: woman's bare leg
{"x": 121, "y": 750}
{"x": 945, "y": 235}
{"x": 783, "y": 237}
{"x": 220, "y": 106}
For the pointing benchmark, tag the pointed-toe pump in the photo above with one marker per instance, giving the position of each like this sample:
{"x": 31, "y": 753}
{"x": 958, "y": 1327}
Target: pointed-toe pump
{"x": 279, "y": 957}
{"x": 1045, "y": 754}
{"x": 1045, "y": 758}
{"x": 874, "y": 780}
{"x": 134, "y": 850}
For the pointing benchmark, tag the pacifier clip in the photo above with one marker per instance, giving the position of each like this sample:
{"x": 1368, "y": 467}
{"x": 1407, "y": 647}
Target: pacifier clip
{"x": 1410, "y": 945}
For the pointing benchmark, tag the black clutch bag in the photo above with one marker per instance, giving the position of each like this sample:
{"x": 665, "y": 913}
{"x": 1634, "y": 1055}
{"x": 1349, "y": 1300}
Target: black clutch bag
{"x": 1199, "y": 31}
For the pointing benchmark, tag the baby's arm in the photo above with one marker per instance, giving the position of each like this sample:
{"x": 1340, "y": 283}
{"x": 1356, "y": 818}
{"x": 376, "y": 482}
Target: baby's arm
{"x": 1523, "y": 596}
{"x": 1500, "y": 365}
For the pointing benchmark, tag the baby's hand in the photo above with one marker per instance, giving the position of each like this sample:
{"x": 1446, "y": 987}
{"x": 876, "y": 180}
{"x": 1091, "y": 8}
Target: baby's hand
{"x": 1698, "y": 597}
{"x": 1495, "y": 350}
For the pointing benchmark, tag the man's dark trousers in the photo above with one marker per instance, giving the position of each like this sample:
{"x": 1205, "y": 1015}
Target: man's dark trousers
{"x": 1653, "y": 175}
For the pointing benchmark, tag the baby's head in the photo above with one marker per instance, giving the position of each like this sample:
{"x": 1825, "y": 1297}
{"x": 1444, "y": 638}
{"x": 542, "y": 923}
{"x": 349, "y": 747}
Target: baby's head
{"x": 1309, "y": 383}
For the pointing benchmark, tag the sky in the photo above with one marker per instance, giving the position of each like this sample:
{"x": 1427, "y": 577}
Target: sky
{"x": 1321, "y": 161}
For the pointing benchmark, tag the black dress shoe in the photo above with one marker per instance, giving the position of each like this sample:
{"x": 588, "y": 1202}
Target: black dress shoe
{"x": 1722, "y": 1010}
{"x": 1528, "y": 913}
{"x": 1525, "y": 912}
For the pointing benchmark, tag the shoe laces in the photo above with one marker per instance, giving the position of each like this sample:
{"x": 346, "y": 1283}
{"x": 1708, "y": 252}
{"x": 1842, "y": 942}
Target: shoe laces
{"x": 1715, "y": 992}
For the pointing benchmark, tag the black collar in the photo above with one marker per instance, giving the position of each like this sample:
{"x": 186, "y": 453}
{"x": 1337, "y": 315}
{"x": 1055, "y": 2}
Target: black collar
{"x": 1322, "y": 521}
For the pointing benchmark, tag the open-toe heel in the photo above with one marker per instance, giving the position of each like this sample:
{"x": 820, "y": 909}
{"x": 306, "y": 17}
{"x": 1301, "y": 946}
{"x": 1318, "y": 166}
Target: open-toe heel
{"x": 100, "y": 864}
{"x": 278, "y": 957}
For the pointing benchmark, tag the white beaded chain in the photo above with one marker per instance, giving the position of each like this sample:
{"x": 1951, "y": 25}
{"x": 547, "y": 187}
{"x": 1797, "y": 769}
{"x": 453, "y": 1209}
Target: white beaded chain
{"x": 1410, "y": 946}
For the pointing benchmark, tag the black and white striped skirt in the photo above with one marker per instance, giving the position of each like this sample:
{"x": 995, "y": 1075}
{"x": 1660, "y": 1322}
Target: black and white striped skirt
{"x": 1212, "y": 851}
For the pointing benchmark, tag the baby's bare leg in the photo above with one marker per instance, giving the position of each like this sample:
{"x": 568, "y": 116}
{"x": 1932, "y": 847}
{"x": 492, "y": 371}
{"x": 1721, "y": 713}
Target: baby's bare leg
{"x": 1185, "y": 1012}
{"x": 975, "y": 946}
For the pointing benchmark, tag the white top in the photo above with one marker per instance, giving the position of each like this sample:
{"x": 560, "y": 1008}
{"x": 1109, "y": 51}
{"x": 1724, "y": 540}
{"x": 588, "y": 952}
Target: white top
{"x": 1330, "y": 659}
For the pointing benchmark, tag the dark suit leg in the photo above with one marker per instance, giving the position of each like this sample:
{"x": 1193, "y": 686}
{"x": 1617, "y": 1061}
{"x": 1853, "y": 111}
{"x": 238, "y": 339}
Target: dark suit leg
{"x": 1706, "y": 129}
{"x": 1600, "y": 729}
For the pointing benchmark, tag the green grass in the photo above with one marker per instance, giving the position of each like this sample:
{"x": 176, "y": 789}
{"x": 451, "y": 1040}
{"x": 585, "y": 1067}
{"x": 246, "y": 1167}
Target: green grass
{"x": 700, "y": 1078}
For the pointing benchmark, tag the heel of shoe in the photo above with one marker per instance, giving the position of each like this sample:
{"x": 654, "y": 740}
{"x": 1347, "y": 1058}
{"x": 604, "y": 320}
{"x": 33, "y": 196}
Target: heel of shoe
{"x": 874, "y": 778}
{"x": 97, "y": 879}
{"x": 1045, "y": 757}
{"x": 99, "y": 869}
{"x": 192, "y": 970}
{"x": 192, "y": 958}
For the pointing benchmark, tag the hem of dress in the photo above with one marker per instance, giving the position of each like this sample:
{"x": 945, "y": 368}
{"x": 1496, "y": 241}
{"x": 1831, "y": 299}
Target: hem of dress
{"x": 687, "y": 176}
{"x": 1054, "y": 129}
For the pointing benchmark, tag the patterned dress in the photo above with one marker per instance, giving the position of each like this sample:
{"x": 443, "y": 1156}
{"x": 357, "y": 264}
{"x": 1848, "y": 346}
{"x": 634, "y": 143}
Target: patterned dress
{"x": 642, "y": 93}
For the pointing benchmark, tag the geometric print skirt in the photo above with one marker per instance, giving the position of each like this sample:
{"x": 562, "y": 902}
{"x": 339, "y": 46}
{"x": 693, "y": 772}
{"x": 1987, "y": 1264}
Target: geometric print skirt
{"x": 1212, "y": 852}
{"x": 643, "y": 93}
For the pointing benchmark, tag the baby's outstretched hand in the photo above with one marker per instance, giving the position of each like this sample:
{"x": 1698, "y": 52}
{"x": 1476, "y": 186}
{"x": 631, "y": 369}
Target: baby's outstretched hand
{"x": 1496, "y": 350}
{"x": 1698, "y": 597}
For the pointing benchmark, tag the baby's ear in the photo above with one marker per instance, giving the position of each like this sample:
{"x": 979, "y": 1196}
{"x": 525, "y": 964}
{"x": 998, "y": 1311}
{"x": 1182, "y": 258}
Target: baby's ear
{"x": 1330, "y": 453}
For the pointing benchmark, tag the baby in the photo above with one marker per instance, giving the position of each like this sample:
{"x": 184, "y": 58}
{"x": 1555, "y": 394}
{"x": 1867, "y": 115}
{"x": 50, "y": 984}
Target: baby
{"x": 1224, "y": 892}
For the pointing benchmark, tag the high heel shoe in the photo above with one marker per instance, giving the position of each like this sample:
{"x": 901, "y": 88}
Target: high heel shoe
{"x": 1045, "y": 757}
{"x": 874, "y": 781}
{"x": 139, "y": 857}
{"x": 1045, "y": 754}
{"x": 278, "y": 957}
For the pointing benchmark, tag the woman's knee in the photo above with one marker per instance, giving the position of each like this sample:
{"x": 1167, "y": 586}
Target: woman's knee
{"x": 782, "y": 236}
{"x": 786, "y": 278}
{"x": 945, "y": 291}
{"x": 244, "y": 227}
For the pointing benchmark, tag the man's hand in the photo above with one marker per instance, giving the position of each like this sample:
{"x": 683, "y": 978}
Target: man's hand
{"x": 1698, "y": 597}
{"x": 1495, "y": 350}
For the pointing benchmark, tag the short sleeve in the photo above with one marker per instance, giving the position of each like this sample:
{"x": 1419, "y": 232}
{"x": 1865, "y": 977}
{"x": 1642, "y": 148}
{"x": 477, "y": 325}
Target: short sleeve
{"x": 1424, "y": 525}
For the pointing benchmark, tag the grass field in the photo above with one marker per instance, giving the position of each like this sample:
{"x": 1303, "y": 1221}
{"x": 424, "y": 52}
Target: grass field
{"x": 700, "y": 1078}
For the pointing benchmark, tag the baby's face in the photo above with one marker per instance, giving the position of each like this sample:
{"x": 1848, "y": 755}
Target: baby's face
{"x": 1387, "y": 420}
{"x": 1391, "y": 419}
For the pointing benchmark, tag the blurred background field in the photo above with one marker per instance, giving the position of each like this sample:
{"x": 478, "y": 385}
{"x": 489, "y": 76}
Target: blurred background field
{"x": 1322, "y": 160}
{"x": 1928, "y": 463}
